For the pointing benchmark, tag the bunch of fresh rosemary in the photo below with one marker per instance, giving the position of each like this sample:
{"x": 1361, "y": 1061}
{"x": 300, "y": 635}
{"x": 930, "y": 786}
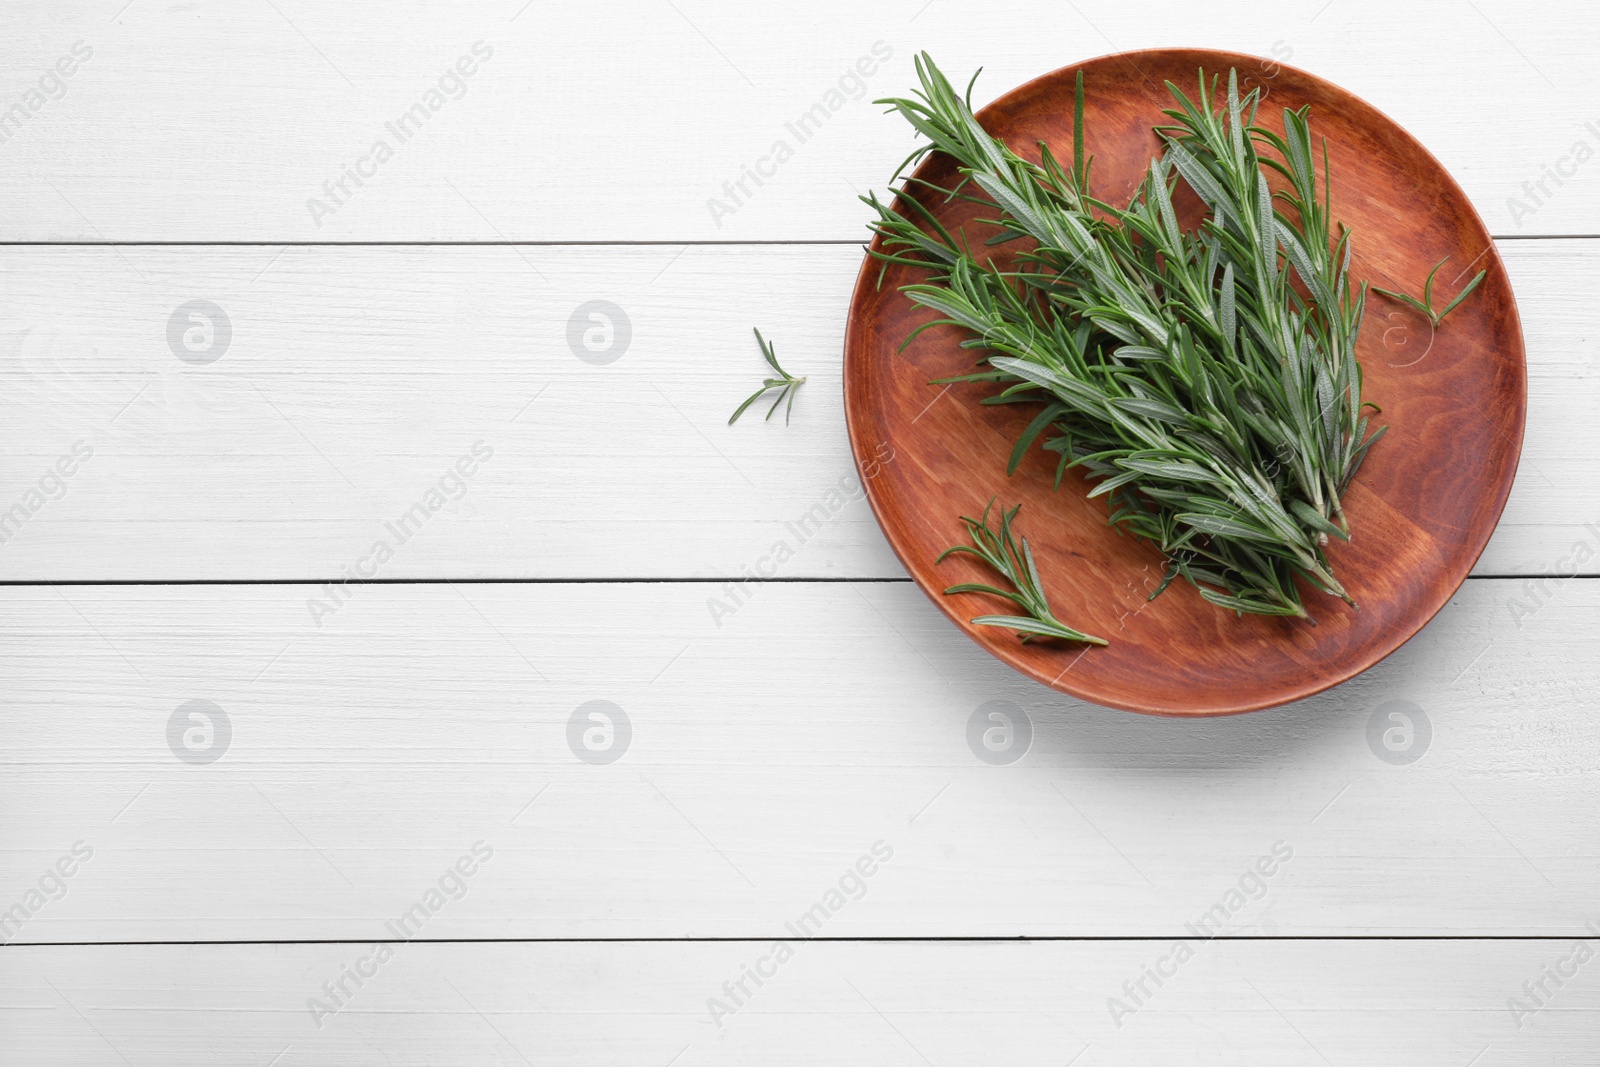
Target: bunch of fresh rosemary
{"x": 1205, "y": 379}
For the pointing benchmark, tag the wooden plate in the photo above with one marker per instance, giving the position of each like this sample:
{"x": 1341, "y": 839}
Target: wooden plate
{"x": 1421, "y": 509}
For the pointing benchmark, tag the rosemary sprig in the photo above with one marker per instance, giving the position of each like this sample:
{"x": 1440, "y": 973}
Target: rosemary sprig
{"x": 1425, "y": 305}
{"x": 1000, "y": 551}
{"x": 1205, "y": 379}
{"x": 786, "y": 383}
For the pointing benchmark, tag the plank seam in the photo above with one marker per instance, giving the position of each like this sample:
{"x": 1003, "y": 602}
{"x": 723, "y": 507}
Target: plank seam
{"x": 763, "y": 939}
{"x": 575, "y": 244}
{"x": 709, "y": 580}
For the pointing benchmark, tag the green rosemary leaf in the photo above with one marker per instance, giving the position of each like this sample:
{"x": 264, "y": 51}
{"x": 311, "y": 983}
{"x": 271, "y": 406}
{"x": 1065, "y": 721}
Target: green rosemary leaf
{"x": 957, "y": 550}
{"x": 1244, "y": 604}
{"x": 1465, "y": 292}
{"x": 757, "y": 395}
{"x": 1406, "y": 299}
{"x": 1150, "y": 409}
{"x": 1080, "y": 166}
{"x": 1219, "y": 526}
{"x": 973, "y": 587}
{"x": 1040, "y": 627}
{"x": 1040, "y": 423}
{"x": 1316, "y": 520}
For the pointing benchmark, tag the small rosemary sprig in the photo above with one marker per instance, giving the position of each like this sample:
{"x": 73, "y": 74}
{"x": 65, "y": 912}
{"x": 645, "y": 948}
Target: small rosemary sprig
{"x": 1000, "y": 551}
{"x": 1425, "y": 305}
{"x": 786, "y": 383}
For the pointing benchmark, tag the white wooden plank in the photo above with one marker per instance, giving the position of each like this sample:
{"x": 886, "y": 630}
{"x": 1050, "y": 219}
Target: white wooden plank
{"x": 221, "y": 121}
{"x": 1378, "y": 1003}
{"x": 764, "y": 757}
{"x": 354, "y": 378}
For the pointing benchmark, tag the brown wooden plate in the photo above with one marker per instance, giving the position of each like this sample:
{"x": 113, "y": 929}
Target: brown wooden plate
{"x": 1421, "y": 509}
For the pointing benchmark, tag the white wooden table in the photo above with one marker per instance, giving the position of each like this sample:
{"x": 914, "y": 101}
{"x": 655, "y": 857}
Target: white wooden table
{"x": 391, "y": 831}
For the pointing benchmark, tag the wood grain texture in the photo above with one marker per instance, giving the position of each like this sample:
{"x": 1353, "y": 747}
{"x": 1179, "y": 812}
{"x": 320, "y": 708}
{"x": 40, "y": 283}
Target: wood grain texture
{"x": 766, "y": 755}
{"x": 382, "y": 365}
{"x": 1420, "y": 512}
{"x": 1378, "y": 1004}
{"x": 370, "y": 752}
{"x": 221, "y": 120}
